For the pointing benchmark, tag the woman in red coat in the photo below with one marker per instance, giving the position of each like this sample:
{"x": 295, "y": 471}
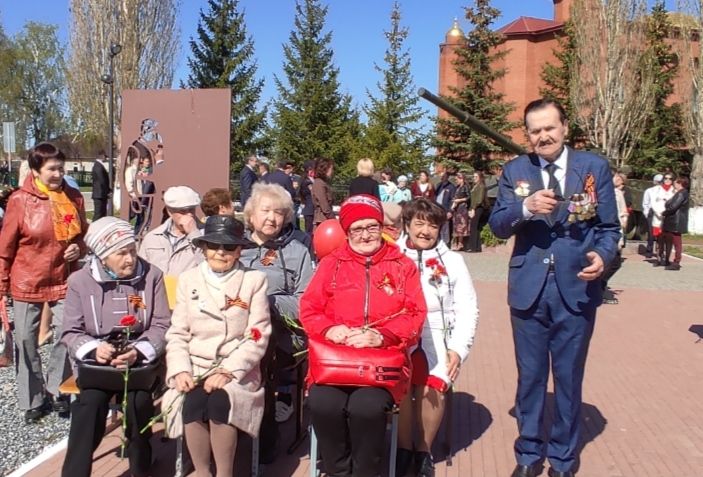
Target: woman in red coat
{"x": 365, "y": 281}
{"x": 41, "y": 240}
{"x": 422, "y": 187}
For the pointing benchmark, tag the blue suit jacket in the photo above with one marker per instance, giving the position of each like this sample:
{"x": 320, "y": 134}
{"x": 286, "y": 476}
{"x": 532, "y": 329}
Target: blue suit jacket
{"x": 538, "y": 238}
{"x": 247, "y": 178}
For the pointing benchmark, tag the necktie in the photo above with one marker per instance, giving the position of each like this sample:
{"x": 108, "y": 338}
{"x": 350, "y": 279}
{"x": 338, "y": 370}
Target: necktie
{"x": 553, "y": 182}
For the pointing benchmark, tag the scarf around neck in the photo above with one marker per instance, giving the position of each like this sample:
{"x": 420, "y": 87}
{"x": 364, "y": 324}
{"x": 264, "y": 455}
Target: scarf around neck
{"x": 67, "y": 224}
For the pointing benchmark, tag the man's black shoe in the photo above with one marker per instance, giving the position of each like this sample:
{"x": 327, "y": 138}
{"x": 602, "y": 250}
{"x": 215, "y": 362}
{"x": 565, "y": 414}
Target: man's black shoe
{"x": 523, "y": 471}
{"x": 556, "y": 473}
{"x": 673, "y": 266}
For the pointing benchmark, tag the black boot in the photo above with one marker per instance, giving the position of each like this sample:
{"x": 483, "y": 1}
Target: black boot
{"x": 403, "y": 461}
{"x": 425, "y": 465}
{"x": 62, "y": 405}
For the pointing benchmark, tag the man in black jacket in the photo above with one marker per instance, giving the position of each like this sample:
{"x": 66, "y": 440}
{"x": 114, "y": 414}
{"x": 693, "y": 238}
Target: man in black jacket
{"x": 101, "y": 187}
{"x": 306, "y": 195}
{"x": 445, "y": 190}
{"x": 247, "y": 178}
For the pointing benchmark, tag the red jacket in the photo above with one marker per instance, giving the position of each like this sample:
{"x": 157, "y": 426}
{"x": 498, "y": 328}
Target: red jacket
{"x": 346, "y": 284}
{"x": 416, "y": 192}
{"x": 32, "y": 267}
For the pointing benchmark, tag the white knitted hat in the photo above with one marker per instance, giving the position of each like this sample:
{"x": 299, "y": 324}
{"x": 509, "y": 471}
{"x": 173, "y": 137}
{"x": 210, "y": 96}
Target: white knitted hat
{"x": 107, "y": 235}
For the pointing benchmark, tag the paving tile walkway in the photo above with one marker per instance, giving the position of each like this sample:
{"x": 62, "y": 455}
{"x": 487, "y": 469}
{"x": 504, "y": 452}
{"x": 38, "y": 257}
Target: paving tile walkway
{"x": 643, "y": 412}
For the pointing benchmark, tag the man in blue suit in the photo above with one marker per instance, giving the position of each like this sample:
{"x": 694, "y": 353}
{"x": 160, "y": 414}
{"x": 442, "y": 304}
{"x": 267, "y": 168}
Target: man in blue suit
{"x": 560, "y": 206}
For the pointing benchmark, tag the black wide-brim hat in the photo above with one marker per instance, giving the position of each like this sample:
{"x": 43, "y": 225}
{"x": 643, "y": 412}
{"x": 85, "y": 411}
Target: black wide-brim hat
{"x": 225, "y": 230}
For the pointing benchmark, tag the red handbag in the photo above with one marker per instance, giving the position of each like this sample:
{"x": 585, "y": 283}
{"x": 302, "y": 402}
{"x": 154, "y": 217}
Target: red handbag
{"x": 340, "y": 365}
{"x": 6, "y": 344}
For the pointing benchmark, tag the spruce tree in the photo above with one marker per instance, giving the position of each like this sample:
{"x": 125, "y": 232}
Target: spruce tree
{"x": 393, "y": 137}
{"x": 222, "y": 57}
{"x": 557, "y": 78}
{"x": 311, "y": 117}
{"x": 476, "y": 65}
{"x": 663, "y": 146}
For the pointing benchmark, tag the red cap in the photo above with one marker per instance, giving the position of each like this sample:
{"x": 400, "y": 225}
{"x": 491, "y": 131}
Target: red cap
{"x": 360, "y": 207}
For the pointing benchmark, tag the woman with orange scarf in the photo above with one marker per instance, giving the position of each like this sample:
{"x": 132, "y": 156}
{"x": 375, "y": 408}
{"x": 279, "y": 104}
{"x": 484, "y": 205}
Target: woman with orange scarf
{"x": 41, "y": 239}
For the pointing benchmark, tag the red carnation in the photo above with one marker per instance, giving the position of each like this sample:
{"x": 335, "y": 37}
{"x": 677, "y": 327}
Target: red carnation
{"x": 255, "y": 334}
{"x": 68, "y": 218}
{"x": 441, "y": 270}
{"x": 431, "y": 262}
{"x": 128, "y": 320}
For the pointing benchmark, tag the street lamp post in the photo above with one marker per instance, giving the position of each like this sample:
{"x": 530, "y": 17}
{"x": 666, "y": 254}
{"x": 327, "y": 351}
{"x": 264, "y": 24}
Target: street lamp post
{"x": 109, "y": 80}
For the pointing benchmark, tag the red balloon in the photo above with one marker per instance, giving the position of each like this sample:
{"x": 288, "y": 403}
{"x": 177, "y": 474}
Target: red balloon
{"x": 327, "y": 237}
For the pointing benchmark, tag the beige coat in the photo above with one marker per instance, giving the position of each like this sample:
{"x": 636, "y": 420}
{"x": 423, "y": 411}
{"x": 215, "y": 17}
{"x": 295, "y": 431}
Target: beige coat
{"x": 200, "y": 326}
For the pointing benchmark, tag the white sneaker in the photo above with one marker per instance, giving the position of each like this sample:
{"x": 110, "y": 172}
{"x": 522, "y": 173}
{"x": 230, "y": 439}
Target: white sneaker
{"x": 283, "y": 411}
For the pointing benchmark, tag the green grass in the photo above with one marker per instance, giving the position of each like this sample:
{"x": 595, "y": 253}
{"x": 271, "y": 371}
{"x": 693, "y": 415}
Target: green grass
{"x": 693, "y": 239}
{"x": 695, "y": 251}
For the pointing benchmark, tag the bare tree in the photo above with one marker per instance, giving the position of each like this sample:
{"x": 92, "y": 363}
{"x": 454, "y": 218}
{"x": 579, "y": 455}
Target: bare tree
{"x": 149, "y": 35}
{"x": 690, "y": 27}
{"x": 612, "y": 81}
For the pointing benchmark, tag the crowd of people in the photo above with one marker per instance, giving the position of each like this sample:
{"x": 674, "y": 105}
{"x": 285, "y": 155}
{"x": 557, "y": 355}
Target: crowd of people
{"x": 665, "y": 205}
{"x": 217, "y": 311}
{"x": 225, "y": 341}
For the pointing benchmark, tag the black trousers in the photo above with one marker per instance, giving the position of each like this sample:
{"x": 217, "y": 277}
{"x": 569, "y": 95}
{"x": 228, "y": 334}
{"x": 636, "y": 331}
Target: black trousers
{"x": 308, "y": 223}
{"x": 614, "y": 266}
{"x": 350, "y": 424}
{"x": 88, "y": 415}
{"x": 474, "y": 235}
{"x": 268, "y": 433}
{"x": 100, "y": 206}
{"x": 650, "y": 234}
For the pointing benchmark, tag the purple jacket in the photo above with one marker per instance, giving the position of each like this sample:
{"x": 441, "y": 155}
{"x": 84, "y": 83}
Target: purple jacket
{"x": 95, "y": 303}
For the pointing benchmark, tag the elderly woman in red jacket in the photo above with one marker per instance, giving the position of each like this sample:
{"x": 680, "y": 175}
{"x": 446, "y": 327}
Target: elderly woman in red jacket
{"x": 365, "y": 294}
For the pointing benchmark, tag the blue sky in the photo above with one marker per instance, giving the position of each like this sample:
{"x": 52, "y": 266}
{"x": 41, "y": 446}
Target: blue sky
{"x": 357, "y": 27}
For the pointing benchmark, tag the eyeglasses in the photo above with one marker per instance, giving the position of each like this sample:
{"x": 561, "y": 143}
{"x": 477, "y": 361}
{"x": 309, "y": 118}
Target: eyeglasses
{"x": 668, "y": 178}
{"x": 228, "y": 247}
{"x": 359, "y": 231}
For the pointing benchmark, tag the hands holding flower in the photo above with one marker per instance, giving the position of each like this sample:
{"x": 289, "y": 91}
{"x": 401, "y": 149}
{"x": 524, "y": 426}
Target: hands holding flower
{"x": 105, "y": 354}
{"x": 72, "y": 253}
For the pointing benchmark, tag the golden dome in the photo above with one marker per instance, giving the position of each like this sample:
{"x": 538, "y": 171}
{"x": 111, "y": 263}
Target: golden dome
{"x": 455, "y": 31}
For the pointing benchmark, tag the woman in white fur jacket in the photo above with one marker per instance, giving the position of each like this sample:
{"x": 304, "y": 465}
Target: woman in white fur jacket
{"x": 447, "y": 336}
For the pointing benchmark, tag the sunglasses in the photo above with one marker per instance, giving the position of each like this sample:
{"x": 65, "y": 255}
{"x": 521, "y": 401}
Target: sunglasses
{"x": 668, "y": 178}
{"x": 228, "y": 247}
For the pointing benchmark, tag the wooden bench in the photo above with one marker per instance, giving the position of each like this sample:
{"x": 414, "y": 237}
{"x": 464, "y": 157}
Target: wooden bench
{"x": 70, "y": 387}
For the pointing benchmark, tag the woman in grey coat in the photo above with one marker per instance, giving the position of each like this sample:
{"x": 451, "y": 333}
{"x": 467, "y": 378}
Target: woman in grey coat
{"x": 282, "y": 254}
{"x": 113, "y": 288}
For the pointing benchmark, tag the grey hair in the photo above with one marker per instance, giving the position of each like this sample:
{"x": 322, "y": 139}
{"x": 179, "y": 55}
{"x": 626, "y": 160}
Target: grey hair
{"x": 272, "y": 191}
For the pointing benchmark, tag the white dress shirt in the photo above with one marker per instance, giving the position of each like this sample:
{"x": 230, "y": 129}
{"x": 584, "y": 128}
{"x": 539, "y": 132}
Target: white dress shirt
{"x": 559, "y": 174}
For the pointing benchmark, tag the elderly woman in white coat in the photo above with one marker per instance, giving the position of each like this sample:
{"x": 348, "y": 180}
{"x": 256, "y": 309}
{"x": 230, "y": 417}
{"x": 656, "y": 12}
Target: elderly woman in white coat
{"x": 447, "y": 336}
{"x": 219, "y": 332}
{"x": 662, "y": 193}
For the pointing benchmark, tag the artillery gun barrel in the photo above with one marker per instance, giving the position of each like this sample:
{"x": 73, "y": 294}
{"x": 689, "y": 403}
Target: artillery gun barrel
{"x": 479, "y": 126}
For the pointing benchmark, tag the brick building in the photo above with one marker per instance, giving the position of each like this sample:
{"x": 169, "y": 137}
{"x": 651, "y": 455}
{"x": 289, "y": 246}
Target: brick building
{"x": 529, "y": 42}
